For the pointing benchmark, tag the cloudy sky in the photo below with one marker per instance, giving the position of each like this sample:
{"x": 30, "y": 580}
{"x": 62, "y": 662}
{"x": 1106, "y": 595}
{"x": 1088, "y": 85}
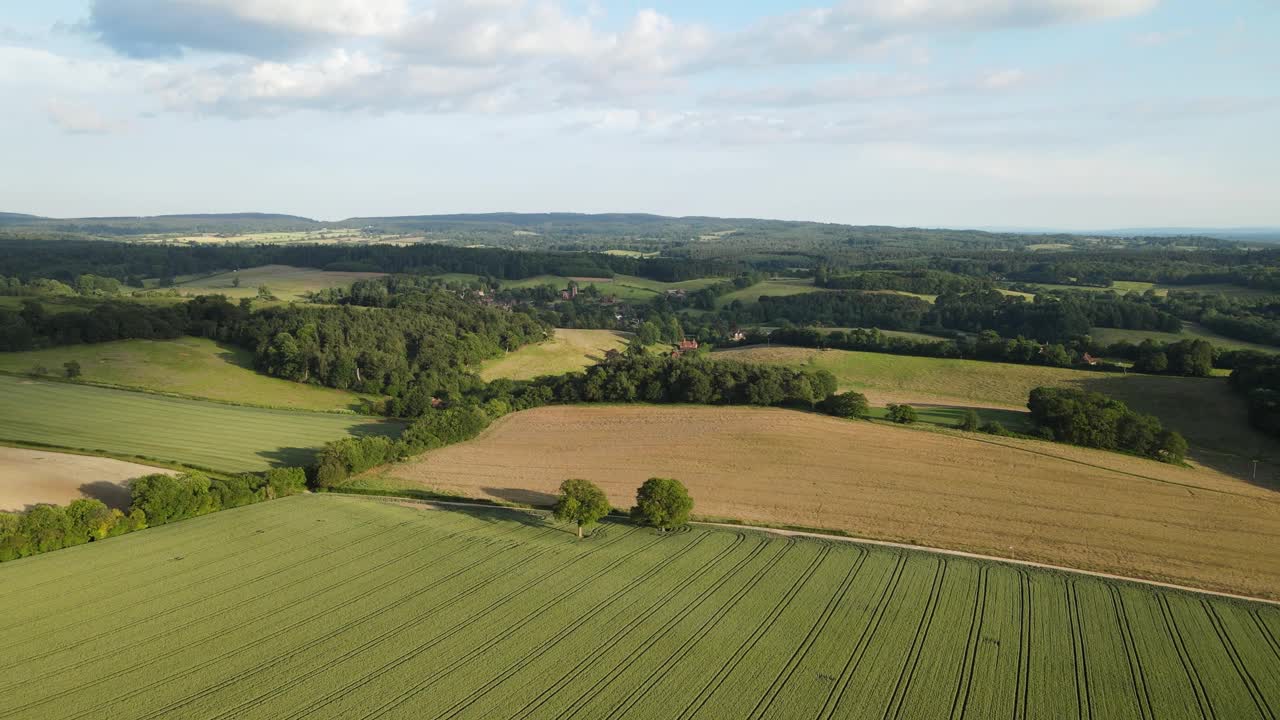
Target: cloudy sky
{"x": 976, "y": 113}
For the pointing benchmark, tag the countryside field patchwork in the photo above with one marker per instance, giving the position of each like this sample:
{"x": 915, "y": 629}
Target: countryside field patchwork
{"x": 195, "y": 432}
{"x": 1021, "y": 499}
{"x": 332, "y": 607}
{"x": 1205, "y": 410}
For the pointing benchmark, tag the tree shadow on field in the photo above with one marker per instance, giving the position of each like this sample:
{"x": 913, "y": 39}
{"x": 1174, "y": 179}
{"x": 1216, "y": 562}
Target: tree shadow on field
{"x": 113, "y": 495}
{"x": 1208, "y": 413}
{"x": 289, "y": 456}
{"x": 522, "y": 496}
{"x": 496, "y": 515}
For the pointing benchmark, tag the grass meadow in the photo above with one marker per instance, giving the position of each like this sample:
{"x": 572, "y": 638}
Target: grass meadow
{"x": 1190, "y": 331}
{"x": 204, "y": 434}
{"x": 191, "y": 366}
{"x": 568, "y": 351}
{"x": 284, "y": 281}
{"x": 336, "y": 607}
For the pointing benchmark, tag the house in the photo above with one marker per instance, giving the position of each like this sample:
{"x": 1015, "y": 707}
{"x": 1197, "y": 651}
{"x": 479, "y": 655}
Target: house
{"x": 738, "y": 336}
{"x": 687, "y": 345}
{"x": 1089, "y": 359}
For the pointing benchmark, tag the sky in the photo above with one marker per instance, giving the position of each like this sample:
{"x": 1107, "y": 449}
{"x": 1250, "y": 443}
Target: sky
{"x": 1070, "y": 114}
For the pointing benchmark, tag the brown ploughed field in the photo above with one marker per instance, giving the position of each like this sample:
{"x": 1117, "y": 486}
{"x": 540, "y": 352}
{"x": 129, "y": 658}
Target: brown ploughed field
{"x": 1019, "y": 499}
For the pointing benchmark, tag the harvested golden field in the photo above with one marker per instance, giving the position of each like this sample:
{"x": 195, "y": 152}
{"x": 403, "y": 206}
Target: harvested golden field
{"x": 1205, "y": 410}
{"x": 1011, "y": 498}
{"x": 30, "y": 477}
{"x": 568, "y": 351}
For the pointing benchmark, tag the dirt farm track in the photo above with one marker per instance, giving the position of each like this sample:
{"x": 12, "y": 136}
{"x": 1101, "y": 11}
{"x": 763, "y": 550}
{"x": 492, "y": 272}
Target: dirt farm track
{"x": 1011, "y": 498}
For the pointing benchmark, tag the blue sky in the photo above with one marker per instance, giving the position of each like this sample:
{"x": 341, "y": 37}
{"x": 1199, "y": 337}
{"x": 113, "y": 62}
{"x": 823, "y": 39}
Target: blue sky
{"x": 964, "y": 113}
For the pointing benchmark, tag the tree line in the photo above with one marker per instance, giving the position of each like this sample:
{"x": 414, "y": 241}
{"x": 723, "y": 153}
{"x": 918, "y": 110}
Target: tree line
{"x": 154, "y": 500}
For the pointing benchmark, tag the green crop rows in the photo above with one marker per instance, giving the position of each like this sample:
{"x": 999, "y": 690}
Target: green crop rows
{"x": 340, "y": 607}
{"x": 205, "y": 434}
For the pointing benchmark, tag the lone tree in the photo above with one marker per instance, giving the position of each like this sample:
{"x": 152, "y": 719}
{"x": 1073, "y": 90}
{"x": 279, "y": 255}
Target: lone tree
{"x": 902, "y": 414}
{"x": 72, "y": 368}
{"x": 582, "y": 502}
{"x": 663, "y": 503}
{"x": 852, "y": 405}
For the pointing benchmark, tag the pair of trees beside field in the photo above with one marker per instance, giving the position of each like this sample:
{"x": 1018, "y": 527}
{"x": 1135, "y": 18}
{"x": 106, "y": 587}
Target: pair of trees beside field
{"x": 663, "y": 503}
{"x": 155, "y": 500}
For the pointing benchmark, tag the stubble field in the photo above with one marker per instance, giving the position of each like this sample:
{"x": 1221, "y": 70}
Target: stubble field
{"x": 28, "y": 477}
{"x": 1019, "y": 499}
{"x": 330, "y": 607}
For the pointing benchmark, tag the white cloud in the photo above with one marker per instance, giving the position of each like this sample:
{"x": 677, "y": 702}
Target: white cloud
{"x": 79, "y": 118}
{"x": 857, "y": 28}
{"x": 340, "y": 80}
{"x": 866, "y": 86}
{"x": 266, "y": 28}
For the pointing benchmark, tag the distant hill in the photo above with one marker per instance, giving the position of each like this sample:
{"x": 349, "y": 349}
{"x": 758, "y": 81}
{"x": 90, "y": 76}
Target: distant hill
{"x": 142, "y": 225}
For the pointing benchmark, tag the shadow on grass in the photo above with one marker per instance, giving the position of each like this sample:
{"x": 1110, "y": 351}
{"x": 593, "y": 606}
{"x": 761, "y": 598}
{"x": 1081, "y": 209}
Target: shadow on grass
{"x": 521, "y": 496}
{"x": 113, "y": 495}
{"x": 1213, "y": 418}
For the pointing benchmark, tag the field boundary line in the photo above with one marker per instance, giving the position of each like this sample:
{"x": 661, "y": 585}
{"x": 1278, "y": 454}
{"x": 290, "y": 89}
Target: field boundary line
{"x": 858, "y": 540}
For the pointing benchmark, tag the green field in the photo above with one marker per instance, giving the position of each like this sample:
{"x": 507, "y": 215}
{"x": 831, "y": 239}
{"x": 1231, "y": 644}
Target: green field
{"x": 1190, "y": 331}
{"x": 285, "y": 282}
{"x": 569, "y": 351}
{"x": 338, "y": 607}
{"x": 624, "y": 287}
{"x": 1128, "y": 286}
{"x": 191, "y": 432}
{"x": 190, "y": 366}
{"x": 776, "y": 286}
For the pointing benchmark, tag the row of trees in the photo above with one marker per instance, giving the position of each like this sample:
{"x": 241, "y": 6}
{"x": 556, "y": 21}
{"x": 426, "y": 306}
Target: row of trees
{"x": 663, "y": 503}
{"x": 155, "y": 500}
{"x": 1096, "y": 420}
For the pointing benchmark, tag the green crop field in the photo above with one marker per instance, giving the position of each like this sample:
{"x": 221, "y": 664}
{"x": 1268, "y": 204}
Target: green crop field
{"x": 192, "y": 366}
{"x": 192, "y": 432}
{"x": 339, "y": 607}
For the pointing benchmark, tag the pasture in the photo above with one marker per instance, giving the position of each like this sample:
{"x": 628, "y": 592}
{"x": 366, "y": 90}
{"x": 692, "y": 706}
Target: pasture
{"x": 1205, "y": 410}
{"x": 190, "y": 366}
{"x": 1022, "y": 499}
{"x": 28, "y": 477}
{"x": 178, "y": 430}
{"x": 285, "y": 282}
{"x": 568, "y": 351}
{"x": 332, "y": 607}
{"x": 625, "y": 287}
{"x": 774, "y": 286}
{"x": 1190, "y": 331}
